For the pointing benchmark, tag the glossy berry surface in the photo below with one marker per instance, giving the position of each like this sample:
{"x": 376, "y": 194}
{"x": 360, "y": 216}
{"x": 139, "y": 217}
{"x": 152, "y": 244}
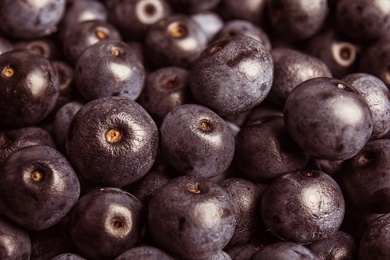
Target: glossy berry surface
{"x": 363, "y": 20}
{"x": 232, "y": 75}
{"x": 284, "y": 250}
{"x": 191, "y": 217}
{"x": 16, "y": 138}
{"x": 364, "y": 177}
{"x": 303, "y": 206}
{"x": 377, "y": 96}
{"x": 118, "y": 137}
{"x": 112, "y": 217}
{"x": 38, "y": 188}
{"x": 196, "y": 141}
{"x": 134, "y": 18}
{"x": 175, "y": 40}
{"x": 14, "y": 241}
{"x": 144, "y": 252}
{"x": 251, "y": 128}
{"x": 30, "y": 19}
{"x": 165, "y": 89}
{"x": 264, "y": 150}
{"x": 28, "y": 80}
{"x": 339, "y": 245}
{"x": 109, "y": 68}
{"x": 295, "y": 20}
{"x": 292, "y": 67}
{"x": 86, "y": 34}
{"x": 328, "y": 118}
{"x": 246, "y": 198}
{"x": 374, "y": 243}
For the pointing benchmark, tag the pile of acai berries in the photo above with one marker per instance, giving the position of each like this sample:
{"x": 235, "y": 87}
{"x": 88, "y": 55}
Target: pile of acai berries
{"x": 194, "y": 129}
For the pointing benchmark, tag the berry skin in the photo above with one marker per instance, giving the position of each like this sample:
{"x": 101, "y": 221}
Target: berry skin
{"x": 165, "y": 89}
{"x": 284, "y": 250}
{"x": 30, "y": 19}
{"x": 292, "y": 67}
{"x": 176, "y": 40}
{"x": 29, "y": 81}
{"x": 232, "y": 75}
{"x": 340, "y": 245}
{"x": 328, "y": 118}
{"x": 296, "y": 20}
{"x": 264, "y": 150}
{"x": 109, "y": 68}
{"x": 246, "y": 198}
{"x": 86, "y": 34}
{"x": 13, "y": 139}
{"x": 196, "y": 141}
{"x": 377, "y": 96}
{"x": 303, "y": 206}
{"x": 363, "y": 20}
{"x": 244, "y": 27}
{"x": 106, "y": 222}
{"x": 112, "y": 141}
{"x": 339, "y": 54}
{"x": 15, "y": 241}
{"x": 374, "y": 243}
{"x": 134, "y": 18}
{"x": 38, "y": 187}
{"x": 191, "y": 217}
{"x": 144, "y": 252}
{"x": 365, "y": 178}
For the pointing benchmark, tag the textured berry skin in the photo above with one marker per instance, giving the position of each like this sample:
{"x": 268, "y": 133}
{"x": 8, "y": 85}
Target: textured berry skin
{"x": 264, "y": 150}
{"x": 328, "y": 118}
{"x": 80, "y": 11}
{"x": 106, "y": 222}
{"x": 365, "y": 178}
{"x": 209, "y": 22}
{"x": 244, "y": 27}
{"x": 134, "y": 18}
{"x": 144, "y": 252}
{"x": 86, "y": 34}
{"x": 28, "y": 88}
{"x": 62, "y": 121}
{"x": 284, "y": 250}
{"x": 176, "y": 40}
{"x": 112, "y": 141}
{"x": 303, "y": 206}
{"x": 15, "y": 242}
{"x": 109, "y": 68}
{"x": 30, "y": 19}
{"x": 13, "y": 139}
{"x": 193, "y": 6}
{"x": 38, "y": 187}
{"x": 296, "y": 20}
{"x": 196, "y": 141}
{"x": 191, "y": 217}
{"x": 165, "y": 89}
{"x": 339, "y": 54}
{"x": 363, "y": 20}
{"x": 252, "y": 10}
{"x": 375, "y": 59}
{"x": 45, "y": 47}
{"x": 246, "y": 198}
{"x": 340, "y": 245}
{"x": 232, "y": 75}
{"x": 243, "y": 251}
{"x": 377, "y": 96}
{"x": 68, "y": 256}
{"x": 292, "y": 67}
{"x": 374, "y": 243}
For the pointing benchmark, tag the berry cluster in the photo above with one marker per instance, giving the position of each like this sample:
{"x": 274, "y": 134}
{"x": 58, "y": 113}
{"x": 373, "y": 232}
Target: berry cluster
{"x": 194, "y": 129}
